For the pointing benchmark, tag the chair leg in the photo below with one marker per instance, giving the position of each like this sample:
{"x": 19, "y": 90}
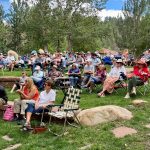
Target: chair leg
{"x": 76, "y": 119}
{"x": 64, "y": 127}
{"x": 42, "y": 123}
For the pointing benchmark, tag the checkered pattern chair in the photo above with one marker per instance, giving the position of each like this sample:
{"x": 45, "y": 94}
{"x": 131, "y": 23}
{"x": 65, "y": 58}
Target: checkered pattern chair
{"x": 67, "y": 109}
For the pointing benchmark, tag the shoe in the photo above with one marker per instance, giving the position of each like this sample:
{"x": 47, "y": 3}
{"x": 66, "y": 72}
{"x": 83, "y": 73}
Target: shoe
{"x": 26, "y": 127}
{"x": 134, "y": 91}
{"x": 21, "y": 122}
{"x": 16, "y": 119}
{"x": 127, "y": 96}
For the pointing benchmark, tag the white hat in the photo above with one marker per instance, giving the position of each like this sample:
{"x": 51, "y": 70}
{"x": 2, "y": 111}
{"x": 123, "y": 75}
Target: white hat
{"x": 119, "y": 61}
{"x": 37, "y": 68}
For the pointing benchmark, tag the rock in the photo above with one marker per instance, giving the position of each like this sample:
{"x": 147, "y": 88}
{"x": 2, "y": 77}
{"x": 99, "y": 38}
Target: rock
{"x": 102, "y": 114}
{"x": 12, "y": 147}
{"x": 147, "y": 126}
{"x": 7, "y": 138}
{"x": 138, "y": 102}
{"x": 123, "y": 131}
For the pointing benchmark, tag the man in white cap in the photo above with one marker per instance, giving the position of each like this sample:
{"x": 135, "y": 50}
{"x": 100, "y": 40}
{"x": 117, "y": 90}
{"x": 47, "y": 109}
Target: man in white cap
{"x": 37, "y": 75}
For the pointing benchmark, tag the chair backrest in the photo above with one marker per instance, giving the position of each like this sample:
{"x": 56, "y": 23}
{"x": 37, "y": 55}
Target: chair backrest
{"x": 72, "y": 99}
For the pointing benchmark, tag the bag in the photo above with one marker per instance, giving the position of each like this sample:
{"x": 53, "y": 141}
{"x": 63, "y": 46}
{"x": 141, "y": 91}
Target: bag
{"x": 9, "y": 113}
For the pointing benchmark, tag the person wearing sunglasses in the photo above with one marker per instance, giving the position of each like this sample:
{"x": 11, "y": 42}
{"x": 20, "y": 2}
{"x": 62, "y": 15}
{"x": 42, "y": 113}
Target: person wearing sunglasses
{"x": 47, "y": 97}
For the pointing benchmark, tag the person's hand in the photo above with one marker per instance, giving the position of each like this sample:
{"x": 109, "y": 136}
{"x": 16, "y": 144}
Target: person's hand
{"x": 36, "y": 106}
{"x": 44, "y": 106}
{"x": 19, "y": 91}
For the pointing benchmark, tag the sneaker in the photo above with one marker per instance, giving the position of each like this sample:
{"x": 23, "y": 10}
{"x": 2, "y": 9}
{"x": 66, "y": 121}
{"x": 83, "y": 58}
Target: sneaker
{"x": 16, "y": 119}
{"x": 127, "y": 96}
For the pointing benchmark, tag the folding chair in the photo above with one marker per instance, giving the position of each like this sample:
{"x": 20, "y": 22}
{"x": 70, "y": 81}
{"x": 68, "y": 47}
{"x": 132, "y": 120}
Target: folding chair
{"x": 146, "y": 87}
{"x": 66, "y": 110}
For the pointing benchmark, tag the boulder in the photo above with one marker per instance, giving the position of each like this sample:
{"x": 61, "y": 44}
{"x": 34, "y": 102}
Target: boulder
{"x": 138, "y": 102}
{"x": 102, "y": 114}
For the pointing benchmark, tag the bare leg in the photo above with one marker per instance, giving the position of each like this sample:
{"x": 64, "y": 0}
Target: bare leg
{"x": 29, "y": 114}
{"x": 14, "y": 86}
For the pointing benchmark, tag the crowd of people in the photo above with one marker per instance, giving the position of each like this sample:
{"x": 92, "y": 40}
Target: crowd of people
{"x": 84, "y": 70}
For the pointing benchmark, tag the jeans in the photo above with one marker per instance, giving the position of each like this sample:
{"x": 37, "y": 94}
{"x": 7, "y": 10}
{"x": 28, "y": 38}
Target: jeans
{"x": 85, "y": 79}
{"x": 133, "y": 82}
{"x": 31, "y": 109}
{"x": 73, "y": 80}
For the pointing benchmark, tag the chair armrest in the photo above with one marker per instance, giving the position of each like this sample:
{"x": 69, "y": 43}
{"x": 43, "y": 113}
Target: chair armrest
{"x": 71, "y": 109}
{"x": 55, "y": 105}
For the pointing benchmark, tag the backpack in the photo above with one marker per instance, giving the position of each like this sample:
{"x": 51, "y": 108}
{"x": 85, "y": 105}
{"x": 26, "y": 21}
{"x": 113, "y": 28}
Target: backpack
{"x": 9, "y": 113}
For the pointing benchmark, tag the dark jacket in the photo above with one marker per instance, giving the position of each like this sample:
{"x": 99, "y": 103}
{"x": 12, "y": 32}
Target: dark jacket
{"x": 3, "y": 94}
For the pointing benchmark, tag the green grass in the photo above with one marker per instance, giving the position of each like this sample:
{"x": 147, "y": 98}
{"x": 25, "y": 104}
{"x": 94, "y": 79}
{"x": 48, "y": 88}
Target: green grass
{"x": 99, "y": 136}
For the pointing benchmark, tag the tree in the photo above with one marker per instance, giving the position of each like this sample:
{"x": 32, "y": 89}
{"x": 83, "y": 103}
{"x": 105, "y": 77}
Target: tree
{"x": 15, "y": 19}
{"x": 133, "y": 11}
{"x": 3, "y": 30}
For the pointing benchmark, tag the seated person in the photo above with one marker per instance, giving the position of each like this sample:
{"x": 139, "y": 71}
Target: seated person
{"x": 139, "y": 76}
{"x": 11, "y": 61}
{"x": 2, "y": 65}
{"x": 88, "y": 71}
{"x": 38, "y": 75}
{"x": 54, "y": 73}
{"x": 74, "y": 75}
{"x": 46, "y": 98}
{"x": 113, "y": 76}
{"x": 98, "y": 77}
{"x": 71, "y": 59}
{"x": 20, "y": 84}
{"x": 29, "y": 93}
{"x": 20, "y": 63}
{"x": 3, "y": 96}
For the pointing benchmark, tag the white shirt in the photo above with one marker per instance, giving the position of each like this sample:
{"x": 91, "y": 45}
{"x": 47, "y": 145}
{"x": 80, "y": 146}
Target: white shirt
{"x": 46, "y": 97}
{"x": 115, "y": 72}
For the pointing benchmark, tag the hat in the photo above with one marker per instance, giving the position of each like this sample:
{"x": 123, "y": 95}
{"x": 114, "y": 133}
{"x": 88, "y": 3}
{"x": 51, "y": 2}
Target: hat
{"x": 33, "y": 52}
{"x": 119, "y": 61}
{"x": 37, "y": 68}
{"x": 54, "y": 66}
{"x": 141, "y": 62}
{"x": 41, "y": 51}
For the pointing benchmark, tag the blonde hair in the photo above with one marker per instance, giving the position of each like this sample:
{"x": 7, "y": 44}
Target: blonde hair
{"x": 30, "y": 85}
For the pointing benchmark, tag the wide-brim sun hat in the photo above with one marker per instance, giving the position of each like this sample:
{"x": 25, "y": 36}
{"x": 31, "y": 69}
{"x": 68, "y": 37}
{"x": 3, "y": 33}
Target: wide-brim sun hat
{"x": 141, "y": 62}
{"x": 119, "y": 61}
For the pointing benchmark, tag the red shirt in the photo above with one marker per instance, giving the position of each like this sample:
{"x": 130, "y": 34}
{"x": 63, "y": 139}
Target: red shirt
{"x": 141, "y": 73}
{"x": 36, "y": 95}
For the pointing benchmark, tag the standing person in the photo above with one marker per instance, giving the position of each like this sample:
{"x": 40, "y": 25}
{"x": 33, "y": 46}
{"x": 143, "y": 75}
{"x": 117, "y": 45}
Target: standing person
{"x": 139, "y": 76}
{"x": 113, "y": 76}
{"x": 28, "y": 94}
{"x": 47, "y": 97}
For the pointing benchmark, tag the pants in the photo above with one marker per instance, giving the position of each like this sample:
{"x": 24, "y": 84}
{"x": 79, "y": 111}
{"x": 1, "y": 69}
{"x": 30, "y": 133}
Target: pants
{"x": 31, "y": 109}
{"x": 133, "y": 82}
{"x": 85, "y": 79}
{"x": 21, "y": 105}
{"x": 73, "y": 80}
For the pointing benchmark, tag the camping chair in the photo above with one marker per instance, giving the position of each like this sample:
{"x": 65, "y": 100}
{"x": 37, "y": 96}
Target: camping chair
{"x": 143, "y": 88}
{"x": 66, "y": 110}
{"x": 121, "y": 83}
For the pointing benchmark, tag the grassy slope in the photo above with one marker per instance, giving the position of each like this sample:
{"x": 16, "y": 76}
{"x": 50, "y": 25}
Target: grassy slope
{"x": 100, "y": 136}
